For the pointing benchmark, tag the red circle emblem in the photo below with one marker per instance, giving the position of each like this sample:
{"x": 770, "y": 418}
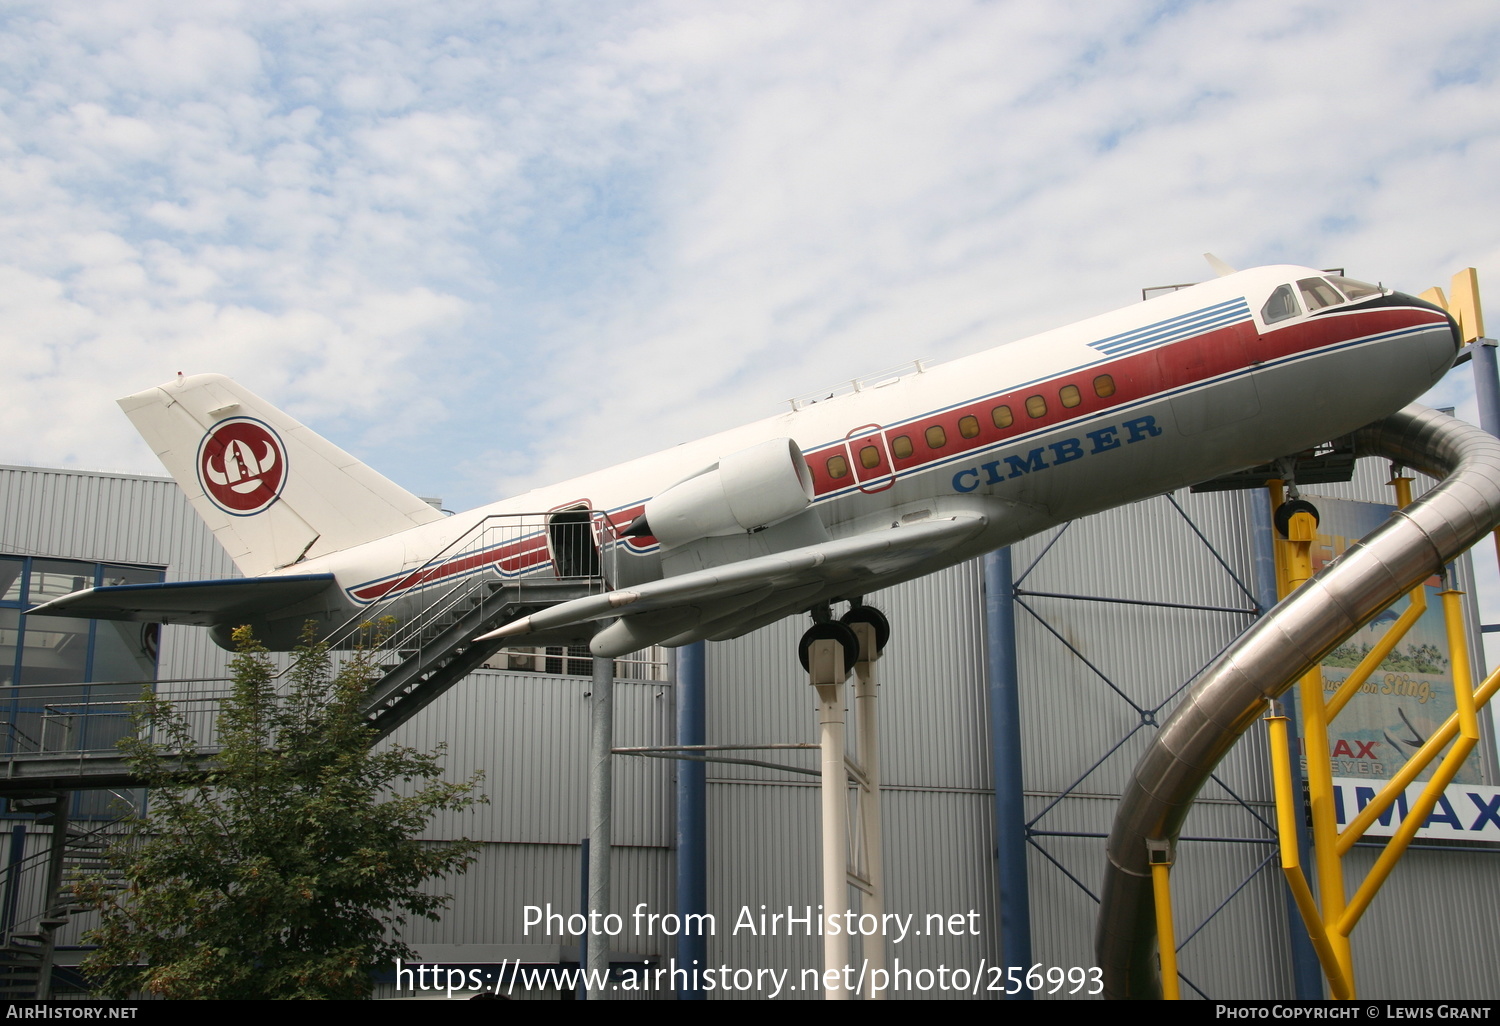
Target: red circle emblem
{"x": 241, "y": 466}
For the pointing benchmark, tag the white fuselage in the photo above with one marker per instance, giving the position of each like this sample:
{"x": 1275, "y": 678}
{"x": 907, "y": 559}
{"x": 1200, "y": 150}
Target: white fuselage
{"x": 1106, "y": 411}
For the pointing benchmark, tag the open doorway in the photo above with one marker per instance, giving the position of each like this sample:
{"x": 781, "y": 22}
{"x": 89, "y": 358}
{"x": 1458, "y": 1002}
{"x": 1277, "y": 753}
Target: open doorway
{"x": 570, "y": 534}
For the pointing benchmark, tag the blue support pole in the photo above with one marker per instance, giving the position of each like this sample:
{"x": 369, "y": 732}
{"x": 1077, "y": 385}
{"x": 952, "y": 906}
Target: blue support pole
{"x": 1307, "y": 973}
{"x": 692, "y": 826}
{"x": 1005, "y": 756}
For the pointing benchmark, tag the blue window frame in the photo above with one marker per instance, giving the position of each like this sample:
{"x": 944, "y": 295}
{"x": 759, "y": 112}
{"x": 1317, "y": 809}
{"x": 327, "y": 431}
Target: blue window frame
{"x": 68, "y": 679}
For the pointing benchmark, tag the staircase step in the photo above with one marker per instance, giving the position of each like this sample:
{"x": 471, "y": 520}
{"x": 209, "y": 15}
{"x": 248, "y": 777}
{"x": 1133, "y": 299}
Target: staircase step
{"x": 86, "y": 841}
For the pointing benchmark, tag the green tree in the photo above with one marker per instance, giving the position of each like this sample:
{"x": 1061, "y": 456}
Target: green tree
{"x": 286, "y": 868}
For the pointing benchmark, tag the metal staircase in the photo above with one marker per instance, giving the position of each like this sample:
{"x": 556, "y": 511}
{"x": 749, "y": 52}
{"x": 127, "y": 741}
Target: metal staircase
{"x": 442, "y": 653}
{"x": 509, "y": 565}
{"x": 46, "y": 881}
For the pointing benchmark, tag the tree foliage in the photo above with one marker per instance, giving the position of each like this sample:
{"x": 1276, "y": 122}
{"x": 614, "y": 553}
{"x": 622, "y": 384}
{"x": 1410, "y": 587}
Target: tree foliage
{"x": 286, "y": 868}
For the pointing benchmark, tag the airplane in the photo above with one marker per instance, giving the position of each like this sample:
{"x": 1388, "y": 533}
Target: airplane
{"x": 827, "y": 502}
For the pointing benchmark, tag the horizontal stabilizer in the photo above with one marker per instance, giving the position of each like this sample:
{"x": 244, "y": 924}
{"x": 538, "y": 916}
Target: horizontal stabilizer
{"x": 202, "y": 603}
{"x": 874, "y": 554}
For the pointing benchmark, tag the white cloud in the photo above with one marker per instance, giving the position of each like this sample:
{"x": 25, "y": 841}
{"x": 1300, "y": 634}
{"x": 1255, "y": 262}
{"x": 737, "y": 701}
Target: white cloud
{"x": 513, "y": 223}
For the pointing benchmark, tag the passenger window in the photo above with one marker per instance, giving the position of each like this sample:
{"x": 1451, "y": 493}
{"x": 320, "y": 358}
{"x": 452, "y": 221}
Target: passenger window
{"x": 1036, "y": 406}
{"x": 838, "y": 467}
{"x": 1317, "y": 294}
{"x": 901, "y": 447}
{"x": 1002, "y": 417}
{"x": 1281, "y": 305}
{"x": 968, "y": 426}
{"x": 869, "y": 457}
{"x": 1069, "y": 396}
{"x": 936, "y": 437}
{"x": 1104, "y": 386}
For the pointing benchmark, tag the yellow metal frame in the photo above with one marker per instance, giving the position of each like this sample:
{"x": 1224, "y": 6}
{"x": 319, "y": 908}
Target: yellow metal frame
{"x": 1166, "y": 935}
{"x": 1330, "y": 922}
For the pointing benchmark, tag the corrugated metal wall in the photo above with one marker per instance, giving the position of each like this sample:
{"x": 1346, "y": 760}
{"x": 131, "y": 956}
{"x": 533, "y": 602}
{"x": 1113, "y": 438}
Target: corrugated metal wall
{"x": 1096, "y": 678}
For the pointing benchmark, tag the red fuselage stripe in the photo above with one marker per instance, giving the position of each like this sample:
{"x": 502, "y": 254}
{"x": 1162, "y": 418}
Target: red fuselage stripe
{"x": 1135, "y": 377}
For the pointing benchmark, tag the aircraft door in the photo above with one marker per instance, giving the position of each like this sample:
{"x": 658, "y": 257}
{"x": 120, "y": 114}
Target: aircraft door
{"x": 570, "y": 537}
{"x": 870, "y": 458}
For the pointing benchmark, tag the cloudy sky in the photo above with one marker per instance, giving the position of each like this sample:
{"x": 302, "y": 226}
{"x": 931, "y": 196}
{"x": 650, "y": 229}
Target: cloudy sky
{"x": 485, "y": 245}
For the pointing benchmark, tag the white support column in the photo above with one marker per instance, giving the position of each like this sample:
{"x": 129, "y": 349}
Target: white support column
{"x": 867, "y": 726}
{"x": 826, "y": 674}
{"x": 601, "y": 802}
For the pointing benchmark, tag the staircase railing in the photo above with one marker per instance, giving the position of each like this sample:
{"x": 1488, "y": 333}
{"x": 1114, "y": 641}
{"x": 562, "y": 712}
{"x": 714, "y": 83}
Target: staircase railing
{"x": 500, "y": 548}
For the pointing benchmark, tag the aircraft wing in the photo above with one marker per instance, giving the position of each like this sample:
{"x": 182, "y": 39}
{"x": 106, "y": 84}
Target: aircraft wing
{"x": 869, "y": 559}
{"x": 202, "y": 603}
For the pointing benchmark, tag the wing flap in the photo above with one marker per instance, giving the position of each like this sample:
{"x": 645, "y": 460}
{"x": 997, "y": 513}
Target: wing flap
{"x": 201, "y": 603}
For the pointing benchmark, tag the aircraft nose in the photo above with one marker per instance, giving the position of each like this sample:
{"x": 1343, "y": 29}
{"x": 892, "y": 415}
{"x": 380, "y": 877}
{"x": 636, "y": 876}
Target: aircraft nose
{"x": 1406, "y": 300}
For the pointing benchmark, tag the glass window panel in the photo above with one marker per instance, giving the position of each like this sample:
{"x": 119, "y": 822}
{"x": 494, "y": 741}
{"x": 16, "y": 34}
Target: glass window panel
{"x": 1036, "y": 406}
{"x": 869, "y": 457}
{"x": 53, "y": 578}
{"x": 1317, "y": 293}
{"x": 124, "y": 650}
{"x": 838, "y": 467}
{"x": 901, "y": 447}
{"x": 1353, "y": 288}
{"x": 936, "y": 437}
{"x": 1104, "y": 386}
{"x": 10, "y": 579}
{"x": 54, "y": 649}
{"x": 112, "y": 575}
{"x": 1002, "y": 416}
{"x": 1281, "y": 305}
{"x": 968, "y": 426}
{"x": 1070, "y": 396}
{"x": 10, "y": 632}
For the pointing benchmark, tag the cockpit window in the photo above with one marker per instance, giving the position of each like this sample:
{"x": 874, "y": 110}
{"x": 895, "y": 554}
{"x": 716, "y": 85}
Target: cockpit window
{"x": 1317, "y": 294}
{"x": 1353, "y": 289}
{"x": 1281, "y": 305}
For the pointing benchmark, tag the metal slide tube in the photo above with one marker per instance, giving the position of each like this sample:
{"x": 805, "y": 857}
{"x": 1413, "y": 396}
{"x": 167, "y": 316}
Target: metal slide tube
{"x": 1230, "y": 695}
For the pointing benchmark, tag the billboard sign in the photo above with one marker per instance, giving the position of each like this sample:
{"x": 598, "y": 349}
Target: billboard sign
{"x": 1402, "y": 703}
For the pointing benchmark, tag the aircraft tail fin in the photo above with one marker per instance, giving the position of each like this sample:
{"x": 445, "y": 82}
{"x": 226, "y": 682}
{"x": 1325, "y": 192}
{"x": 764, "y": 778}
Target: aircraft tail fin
{"x": 273, "y": 492}
{"x": 1220, "y": 268}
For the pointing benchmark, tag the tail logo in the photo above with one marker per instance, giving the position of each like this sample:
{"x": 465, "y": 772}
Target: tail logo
{"x": 241, "y": 466}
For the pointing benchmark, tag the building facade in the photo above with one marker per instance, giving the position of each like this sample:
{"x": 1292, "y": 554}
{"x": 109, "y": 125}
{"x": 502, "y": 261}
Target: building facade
{"x": 1114, "y": 615}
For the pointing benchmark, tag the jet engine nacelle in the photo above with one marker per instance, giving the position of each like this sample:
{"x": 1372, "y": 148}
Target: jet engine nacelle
{"x": 744, "y": 491}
